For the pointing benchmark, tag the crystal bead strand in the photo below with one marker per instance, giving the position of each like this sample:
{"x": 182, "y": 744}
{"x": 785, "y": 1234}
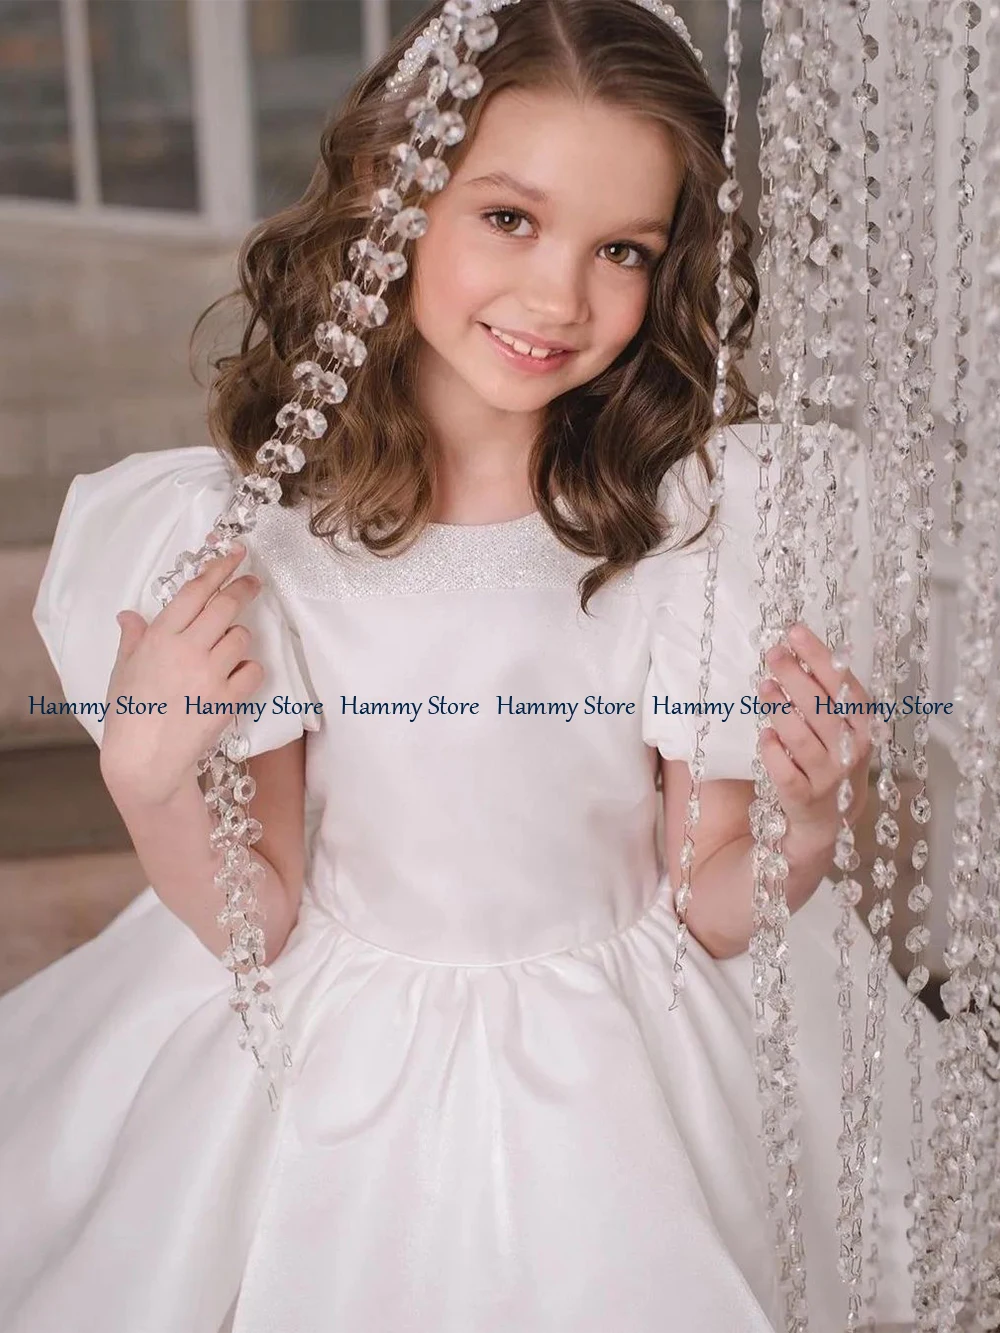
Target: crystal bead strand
{"x": 905, "y": 30}
{"x": 965, "y": 1088}
{"x": 769, "y": 630}
{"x": 855, "y": 1083}
{"x": 922, "y": 378}
{"x": 321, "y": 382}
{"x": 844, "y": 190}
{"x": 730, "y": 197}
{"x": 983, "y": 1017}
{"x": 985, "y": 1306}
{"x": 986, "y": 1235}
{"x": 786, "y": 143}
{"x": 967, "y": 15}
{"x": 986, "y": 1229}
{"x": 887, "y": 415}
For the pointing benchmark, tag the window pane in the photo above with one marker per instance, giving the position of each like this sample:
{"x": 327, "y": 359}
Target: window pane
{"x": 141, "y": 65}
{"x": 305, "y": 54}
{"x": 36, "y": 159}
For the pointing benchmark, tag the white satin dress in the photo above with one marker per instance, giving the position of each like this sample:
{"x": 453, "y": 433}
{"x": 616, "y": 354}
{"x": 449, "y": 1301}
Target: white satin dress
{"x": 493, "y": 1124}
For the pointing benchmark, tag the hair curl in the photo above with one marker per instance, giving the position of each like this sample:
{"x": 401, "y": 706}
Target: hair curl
{"x": 605, "y": 446}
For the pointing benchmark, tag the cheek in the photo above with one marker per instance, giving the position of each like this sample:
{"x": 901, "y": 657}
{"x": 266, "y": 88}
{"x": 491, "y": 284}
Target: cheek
{"x": 448, "y": 281}
{"x": 626, "y": 313}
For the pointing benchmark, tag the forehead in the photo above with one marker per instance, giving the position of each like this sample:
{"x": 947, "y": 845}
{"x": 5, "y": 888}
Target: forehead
{"x": 576, "y": 154}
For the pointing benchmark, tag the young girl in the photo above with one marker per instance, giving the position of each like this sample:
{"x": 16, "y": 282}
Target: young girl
{"x": 494, "y": 1123}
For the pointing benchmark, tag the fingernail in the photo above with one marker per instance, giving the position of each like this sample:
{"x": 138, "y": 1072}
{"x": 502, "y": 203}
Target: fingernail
{"x": 798, "y": 635}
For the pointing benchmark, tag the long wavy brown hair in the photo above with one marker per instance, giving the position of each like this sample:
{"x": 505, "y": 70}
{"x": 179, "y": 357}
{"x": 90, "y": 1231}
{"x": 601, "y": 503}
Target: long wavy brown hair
{"x": 605, "y": 446}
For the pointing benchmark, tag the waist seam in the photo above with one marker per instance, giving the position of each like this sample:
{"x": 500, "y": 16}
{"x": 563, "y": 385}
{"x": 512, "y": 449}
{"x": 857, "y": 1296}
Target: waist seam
{"x": 663, "y": 893}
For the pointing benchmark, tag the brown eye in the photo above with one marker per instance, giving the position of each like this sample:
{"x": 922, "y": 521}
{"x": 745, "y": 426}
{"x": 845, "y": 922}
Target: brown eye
{"x": 514, "y": 213}
{"x": 644, "y": 257}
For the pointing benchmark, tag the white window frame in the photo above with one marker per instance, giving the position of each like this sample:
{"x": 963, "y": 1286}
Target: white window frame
{"x": 223, "y": 128}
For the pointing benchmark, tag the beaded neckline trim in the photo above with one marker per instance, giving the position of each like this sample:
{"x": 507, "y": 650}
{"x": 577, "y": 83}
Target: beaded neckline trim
{"x": 446, "y": 557}
{"x": 534, "y": 517}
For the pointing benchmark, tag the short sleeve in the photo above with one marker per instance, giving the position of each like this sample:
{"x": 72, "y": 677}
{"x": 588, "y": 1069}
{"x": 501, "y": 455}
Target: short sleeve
{"x": 671, "y": 586}
{"x": 118, "y": 530}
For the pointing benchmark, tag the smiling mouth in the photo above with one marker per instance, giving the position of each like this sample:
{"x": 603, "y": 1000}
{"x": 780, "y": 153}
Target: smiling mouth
{"x": 522, "y": 354}
{"x": 524, "y": 348}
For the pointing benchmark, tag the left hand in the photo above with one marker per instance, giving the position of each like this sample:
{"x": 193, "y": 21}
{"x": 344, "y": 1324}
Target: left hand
{"x": 801, "y": 749}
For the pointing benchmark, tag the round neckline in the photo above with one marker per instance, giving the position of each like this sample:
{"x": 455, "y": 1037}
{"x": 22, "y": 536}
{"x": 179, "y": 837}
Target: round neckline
{"x": 503, "y": 523}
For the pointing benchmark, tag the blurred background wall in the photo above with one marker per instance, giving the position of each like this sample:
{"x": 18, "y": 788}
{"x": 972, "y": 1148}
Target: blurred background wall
{"x": 139, "y": 142}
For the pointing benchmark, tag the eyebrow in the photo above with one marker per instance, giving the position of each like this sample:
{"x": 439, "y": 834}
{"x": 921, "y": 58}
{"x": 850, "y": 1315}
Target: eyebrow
{"x": 504, "y": 181}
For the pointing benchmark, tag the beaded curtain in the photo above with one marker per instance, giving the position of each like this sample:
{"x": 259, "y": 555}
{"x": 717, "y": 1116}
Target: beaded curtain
{"x": 863, "y": 345}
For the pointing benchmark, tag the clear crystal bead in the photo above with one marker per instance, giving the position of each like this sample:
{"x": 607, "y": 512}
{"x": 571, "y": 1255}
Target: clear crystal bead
{"x": 918, "y": 939}
{"x": 340, "y": 342}
{"x": 405, "y": 158}
{"x": 265, "y": 490}
{"x": 919, "y": 897}
{"x": 385, "y": 204}
{"x": 344, "y": 294}
{"x": 285, "y": 456}
{"x": 465, "y": 81}
{"x": 480, "y": 33}
{"x": 422, "y": 113}
{"x": 432, "y": 175}
{"x": 449, "y": 128}
{"x": 328, "y": 385}
{"x": 390, "y": 266}
{"x": 918, "y": 979}
{"x": 369, "y": 311}
{"x": 920, "y": 809}
{"x": 730, "y": 196}
{"x": 410, "y": 223}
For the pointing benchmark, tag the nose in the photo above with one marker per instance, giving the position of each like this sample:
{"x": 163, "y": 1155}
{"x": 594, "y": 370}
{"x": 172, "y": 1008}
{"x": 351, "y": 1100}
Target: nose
{"x": 556, "y": 288}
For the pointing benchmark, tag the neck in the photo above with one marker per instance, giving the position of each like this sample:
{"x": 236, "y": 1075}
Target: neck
{"x": 479, "y": 453}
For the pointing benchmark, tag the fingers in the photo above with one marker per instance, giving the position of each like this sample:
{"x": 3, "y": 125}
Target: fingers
{"x": 815, "y": 694}
{"x": 211, "y": 623}
{"x": 193, "y": 597}
{"x": 784, "y": 771}
{"x": 795, "y": 733}
{"x": 232, "y": 649}
{"x": 246, "y": 680}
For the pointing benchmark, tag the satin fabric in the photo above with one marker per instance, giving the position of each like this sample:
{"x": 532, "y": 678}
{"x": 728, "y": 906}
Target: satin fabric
{"x": 493, "y": 1125}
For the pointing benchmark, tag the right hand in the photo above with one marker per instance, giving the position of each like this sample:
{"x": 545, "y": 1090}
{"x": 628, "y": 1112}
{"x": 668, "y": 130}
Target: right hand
{"x": 191, "y": 647}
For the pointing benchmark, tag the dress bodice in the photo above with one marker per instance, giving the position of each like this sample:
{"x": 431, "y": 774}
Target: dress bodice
{"x": 480, "y": 800}
{"x": 524, "y": 821}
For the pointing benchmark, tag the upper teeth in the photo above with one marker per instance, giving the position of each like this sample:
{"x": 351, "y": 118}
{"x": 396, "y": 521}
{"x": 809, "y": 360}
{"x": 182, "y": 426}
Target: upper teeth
{"x": 524, "y": 348}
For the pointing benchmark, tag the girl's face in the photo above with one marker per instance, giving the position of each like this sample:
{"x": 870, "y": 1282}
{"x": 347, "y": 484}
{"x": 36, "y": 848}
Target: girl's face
{"x": 549, "y": 233}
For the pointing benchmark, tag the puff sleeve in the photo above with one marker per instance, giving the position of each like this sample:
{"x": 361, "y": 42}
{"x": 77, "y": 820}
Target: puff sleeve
{"x": 671, "y": 587}
{"x": 118, "y": 530}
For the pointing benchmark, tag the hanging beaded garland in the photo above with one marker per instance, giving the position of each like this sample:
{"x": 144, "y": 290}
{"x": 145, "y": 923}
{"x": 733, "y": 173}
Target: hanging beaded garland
{"x": 820, "y": 244}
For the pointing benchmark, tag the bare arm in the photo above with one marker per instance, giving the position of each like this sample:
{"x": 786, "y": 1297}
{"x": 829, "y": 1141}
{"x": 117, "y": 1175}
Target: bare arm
{"x": 801, "y": 753}
{"x": 171, "y": 839}
{"x": 149, "y": 763}
{"x": 720, "y": 910}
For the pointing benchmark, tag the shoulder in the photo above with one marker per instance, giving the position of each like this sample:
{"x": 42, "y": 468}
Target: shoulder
{"x": 148, "y": 480}
{"x": 120, "y": 526}
{"x": 685, "y": 500}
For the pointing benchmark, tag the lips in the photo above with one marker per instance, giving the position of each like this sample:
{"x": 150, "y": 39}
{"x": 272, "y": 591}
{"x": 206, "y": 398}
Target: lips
{"x": 529, "y": 339}
{"x": 537, "y": 365}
